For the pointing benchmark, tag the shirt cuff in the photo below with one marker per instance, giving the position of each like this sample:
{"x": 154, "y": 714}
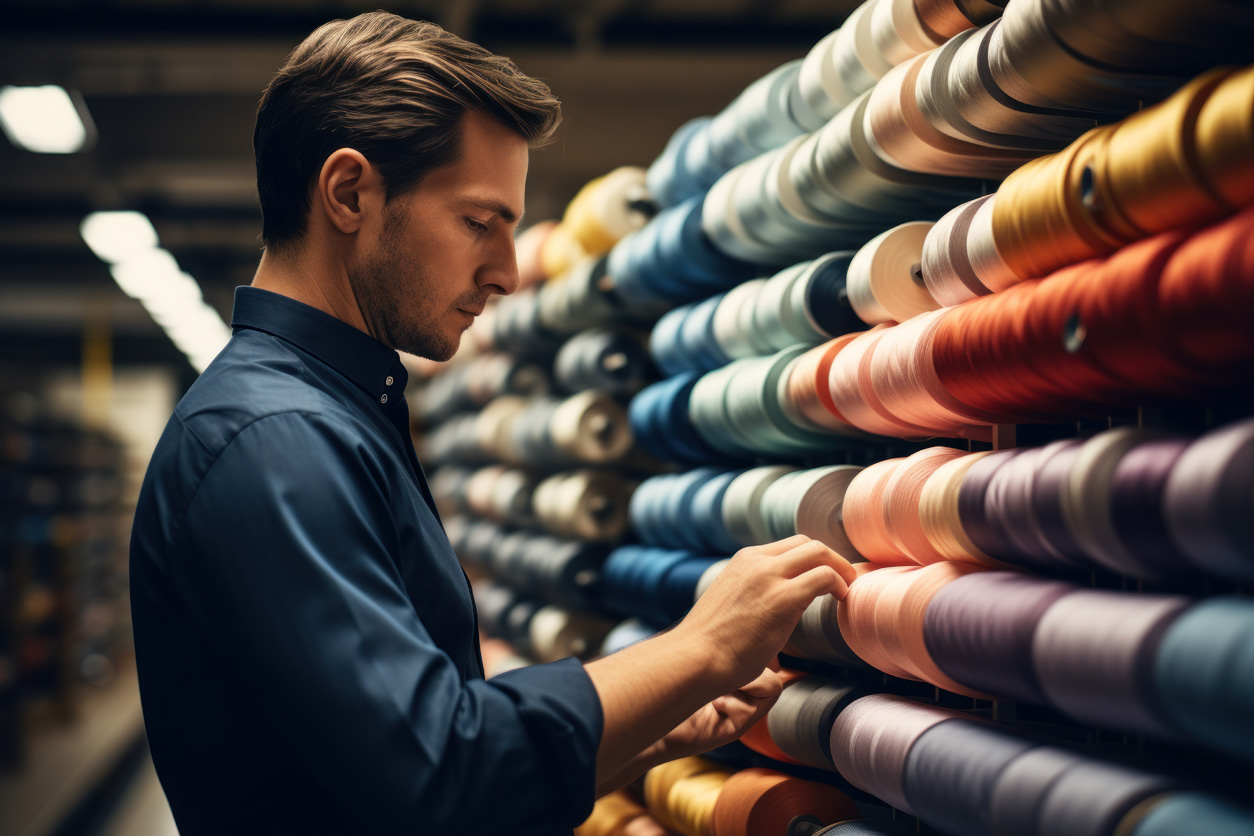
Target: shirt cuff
{"x": 562, "y": 712}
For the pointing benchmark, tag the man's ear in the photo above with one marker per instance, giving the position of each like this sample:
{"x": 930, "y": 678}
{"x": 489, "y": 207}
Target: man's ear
{"x": 349, "y": 189}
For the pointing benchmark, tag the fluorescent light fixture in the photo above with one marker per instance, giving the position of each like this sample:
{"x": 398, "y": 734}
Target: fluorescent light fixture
{"x": 45, "y": 119}
{"x": 144, "y": 271}
{"x": 117, "y": 237}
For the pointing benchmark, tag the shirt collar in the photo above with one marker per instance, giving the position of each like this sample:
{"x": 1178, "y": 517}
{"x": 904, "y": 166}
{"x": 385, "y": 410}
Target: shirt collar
{"x": 355, "y": 354}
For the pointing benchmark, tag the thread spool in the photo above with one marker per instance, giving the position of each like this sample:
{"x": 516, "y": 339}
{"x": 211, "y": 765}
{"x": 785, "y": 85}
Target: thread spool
{"x": 1091, "y": 798}
{"x": 899, "y": 622}
{"x": 758, "y": 736}
{"x": 590, "y": 427}
{"x": 951, "y": 770}
{"x": 866, "y": 523}
{"x": 1203, "y": 502}
{"x": 731, "y": 337}
{"x": 742, "y": 504}
{"x": 947, "y": 18}
{"x": 1137, "y": 492}
{"x": 1008, "y": 506}
{"x": 972, "y": 513}
{"x": 1086, "y": 498}
{"x": 681, "y": 794}
{"x": 1225, "y": 129}
{"x": 983, "y": 251}
{"x": 854, "y": 396}
{"x": 945, "y": 263}
{"x": 1107, "y": 682}
{"x": 898, "y": 32}
{"x": 838, "y": 174}
{"x": 817, "y": 636}
{"x": 753, "y": 415}
{"x": 707, "y": 514}
{"x": 902, "y": 494}
{"x": 902, "y": 135}
{"x": 613, "y": 814}
{"x": 872, "y": 738}
{"x": 809, "y": 389}
{"x": 583, "y": 503}
{"x": 859, "y": 623}
{"x": 756, "y": 800}
{"x": 556, "y": 633}
{"x": 659, "y": 418}
{"x": 1150, "y": 163}
{"x": 939, "y": 517}
{"x": 1192, "y": 812}
{"x": 867, "y": 827}
{"x": 668, "y": 182}
{"x": 978, "y": 629}
{"x": 527, "y": 247}
{"x": 882, "y": 284}
{"x": 1202, "y": 674}
{"x": 613, "y": 361}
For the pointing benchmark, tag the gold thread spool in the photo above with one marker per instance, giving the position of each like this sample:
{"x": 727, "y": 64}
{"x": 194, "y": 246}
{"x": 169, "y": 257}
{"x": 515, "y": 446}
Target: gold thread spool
{"x": 681, "y": 794}
{"x": 1225, "y": 139}
{"x": 1152, "y": 167}
{"x": 1044, "y": 215}
{"x": 938, "y": 513}
{"x": 610, "y": 815}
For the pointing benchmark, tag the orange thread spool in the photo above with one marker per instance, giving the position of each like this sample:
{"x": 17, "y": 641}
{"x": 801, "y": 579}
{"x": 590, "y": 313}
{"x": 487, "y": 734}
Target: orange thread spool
{"x": 808, "y": 385}
{"x": 903, "y": 492}
{"x": 756, "y": 802}
{"x": 856, "y": 617}
{"x": 908, "y": 623}
{"x": 865, "y": 522}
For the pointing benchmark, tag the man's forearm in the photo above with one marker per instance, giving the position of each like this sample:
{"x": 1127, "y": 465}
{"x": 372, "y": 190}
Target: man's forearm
{"x": 646, "y": 690}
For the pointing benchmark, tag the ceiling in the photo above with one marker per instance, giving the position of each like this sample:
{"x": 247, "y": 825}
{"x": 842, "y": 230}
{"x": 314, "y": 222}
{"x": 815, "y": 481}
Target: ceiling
{"x": 172, "y": 87}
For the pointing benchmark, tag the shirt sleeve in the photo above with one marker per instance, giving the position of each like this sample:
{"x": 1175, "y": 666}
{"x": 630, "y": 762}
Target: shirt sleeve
{"x": 287, "y": 561}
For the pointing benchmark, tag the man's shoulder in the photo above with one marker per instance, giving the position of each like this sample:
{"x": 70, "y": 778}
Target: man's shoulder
{"x": 256, "y": 378}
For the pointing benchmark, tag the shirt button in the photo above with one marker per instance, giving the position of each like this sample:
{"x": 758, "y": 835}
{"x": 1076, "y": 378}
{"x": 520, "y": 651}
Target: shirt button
{"x": 383, "y": 398}
{"x": 389, "y": 380}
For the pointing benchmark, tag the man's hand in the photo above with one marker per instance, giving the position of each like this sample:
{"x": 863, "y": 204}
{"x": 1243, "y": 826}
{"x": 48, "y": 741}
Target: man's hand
{"x": 750, "y": 610}
{"x": 722, "y": 720}
{"x": 714, "y": 724}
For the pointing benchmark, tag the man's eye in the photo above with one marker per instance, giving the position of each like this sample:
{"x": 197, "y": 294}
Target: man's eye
{"x": 477, "y": 226}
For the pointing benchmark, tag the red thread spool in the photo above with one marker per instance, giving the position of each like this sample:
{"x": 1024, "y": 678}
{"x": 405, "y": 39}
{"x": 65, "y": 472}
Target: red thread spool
{"x": 1211, "y": 272}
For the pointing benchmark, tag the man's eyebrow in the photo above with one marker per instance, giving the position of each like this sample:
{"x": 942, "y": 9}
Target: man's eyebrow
{"x": 496, "y": 206}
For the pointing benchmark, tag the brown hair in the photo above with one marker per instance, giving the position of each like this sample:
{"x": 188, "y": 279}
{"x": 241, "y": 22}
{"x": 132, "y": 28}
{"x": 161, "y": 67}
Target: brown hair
{"x": 395, "y": 90}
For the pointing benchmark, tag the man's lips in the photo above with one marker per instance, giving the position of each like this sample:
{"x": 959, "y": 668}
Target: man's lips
{"x": 472, "y": 313}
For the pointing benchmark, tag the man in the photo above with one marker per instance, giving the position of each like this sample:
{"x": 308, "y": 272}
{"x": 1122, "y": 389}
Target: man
{"x": 306, "y": 640}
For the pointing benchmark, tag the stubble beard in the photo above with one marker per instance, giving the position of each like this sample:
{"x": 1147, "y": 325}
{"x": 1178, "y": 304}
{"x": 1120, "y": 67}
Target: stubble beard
{"x": 391, "y": 291}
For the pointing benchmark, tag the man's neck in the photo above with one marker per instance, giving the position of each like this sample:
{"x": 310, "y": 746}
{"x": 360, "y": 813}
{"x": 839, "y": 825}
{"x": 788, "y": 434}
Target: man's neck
{"x": 311, "y": 281}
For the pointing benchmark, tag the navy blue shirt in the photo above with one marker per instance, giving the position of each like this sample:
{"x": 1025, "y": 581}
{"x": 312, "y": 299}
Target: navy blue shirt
{"x": 308, "y": 660}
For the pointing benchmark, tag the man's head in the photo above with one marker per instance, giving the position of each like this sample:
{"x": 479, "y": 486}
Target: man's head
{"x": 388, "y": 132}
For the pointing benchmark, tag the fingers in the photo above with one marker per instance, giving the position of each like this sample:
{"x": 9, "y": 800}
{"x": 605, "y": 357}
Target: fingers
{"x": 805, "y": 556}
{"x": 776, "y": 548}
{"x": 821, "y": 580}
{"x": 766, "y": 684}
